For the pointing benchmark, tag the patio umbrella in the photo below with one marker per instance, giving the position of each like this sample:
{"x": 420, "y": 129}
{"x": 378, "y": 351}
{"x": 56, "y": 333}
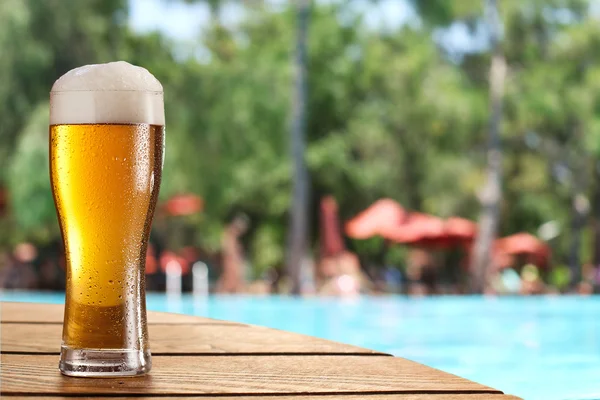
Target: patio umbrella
{"x": 381, "y": 217}
{"x": 537, "y": 251}
{"x": 425, "y": 230}
{"x": 184, "y": 204}
{"x": 415, "y": 228}
{"x": 461, "y": 228}
{"x": 457, "y": 232}
{"x": 331, "y": 238}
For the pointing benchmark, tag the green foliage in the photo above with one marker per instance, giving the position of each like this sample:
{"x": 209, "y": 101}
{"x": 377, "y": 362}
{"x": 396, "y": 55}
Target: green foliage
{"x": 560, "y": 277}
{"x": 29, "y": 183}
{"x": 40, "y": 41}
{"x": 266, "y": 249}
{"x": 390, "y": 113}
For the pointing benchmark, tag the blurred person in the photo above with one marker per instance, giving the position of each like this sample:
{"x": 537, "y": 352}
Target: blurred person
{"x": 327, "y": 268}
{"x": 271, "y": 276}
{"x": 585, "y": 288}
{"x": 341, "y": 286}
{"x": 505, "y": 281}
{"x": 233, "y": 260}
{"x": 429, "y": 278}
{"x": 417, "y": 289}
{"x": 421, "y": 273}
{"x": 20, "y": 273}
{"x": 153, "y": 278}
{"x": 552, "y": 291}
{"x": 393, "y": 279}
{"x": 588, "y": 271}
{"x": 341, "y": 275}
{"x": 50, "y": 276}
{"x": 50, "y": 271}
{"x": 532, "y": 283}
{"x": 258, "y": 288}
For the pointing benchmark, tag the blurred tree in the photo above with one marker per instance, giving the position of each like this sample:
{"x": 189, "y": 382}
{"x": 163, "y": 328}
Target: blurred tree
{"x": 395, "y": 112}
{"x": 545, "y": 125}
{"x": 299, "y": 213}
{"x": 491, "y": 193}
{"x": 29, "y": 182}
{"x": 40, "y": 41}
{"x": 22, "y": 60}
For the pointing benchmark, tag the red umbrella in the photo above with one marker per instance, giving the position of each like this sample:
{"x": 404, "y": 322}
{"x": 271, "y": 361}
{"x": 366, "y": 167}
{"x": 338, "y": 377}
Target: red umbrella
{"x": 526, "y": 244}
{"x": 429, "y": 231}
{"x": 457, "y": 232}
{"x": 331, "y": 239}
{"x": 184, "y": 204}
{"x": 461, "y": 228}
{"x": 380, "y": 217}
{"x": 415, "y": 228}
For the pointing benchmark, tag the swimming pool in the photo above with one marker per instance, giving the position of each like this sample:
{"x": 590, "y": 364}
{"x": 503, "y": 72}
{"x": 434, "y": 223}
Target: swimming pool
{"x": 545, "y": 348}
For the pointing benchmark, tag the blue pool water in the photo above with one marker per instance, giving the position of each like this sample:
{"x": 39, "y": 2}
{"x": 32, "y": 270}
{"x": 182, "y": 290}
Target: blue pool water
{"x": 542, "y": 348}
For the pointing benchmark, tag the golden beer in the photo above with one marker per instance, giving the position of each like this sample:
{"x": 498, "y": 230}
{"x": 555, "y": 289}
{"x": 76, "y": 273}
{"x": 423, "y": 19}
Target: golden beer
{"x": 105, "y": 181}
{"x": 106, "y": 157}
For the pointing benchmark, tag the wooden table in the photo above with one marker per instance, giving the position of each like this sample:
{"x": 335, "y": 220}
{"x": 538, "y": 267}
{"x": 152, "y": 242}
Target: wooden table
{"x": 201, "y": 357}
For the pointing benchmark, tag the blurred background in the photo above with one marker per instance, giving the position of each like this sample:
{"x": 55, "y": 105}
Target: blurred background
{"x": 340, "y": 147}
{"x": 287, "y": 120}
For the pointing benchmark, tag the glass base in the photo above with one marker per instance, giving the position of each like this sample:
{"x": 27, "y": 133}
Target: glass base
{"x": 104, "y": 363}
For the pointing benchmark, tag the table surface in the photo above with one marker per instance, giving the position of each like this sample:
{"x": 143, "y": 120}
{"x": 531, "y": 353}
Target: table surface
{"x": 212, "y": 359}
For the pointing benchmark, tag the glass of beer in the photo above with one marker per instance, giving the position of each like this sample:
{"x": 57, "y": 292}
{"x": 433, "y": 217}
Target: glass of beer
{"x": 106, "y": 158}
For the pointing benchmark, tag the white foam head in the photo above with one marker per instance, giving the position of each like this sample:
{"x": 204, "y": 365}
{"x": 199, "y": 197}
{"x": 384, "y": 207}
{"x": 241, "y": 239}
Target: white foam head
{"x": 116, "y": 92}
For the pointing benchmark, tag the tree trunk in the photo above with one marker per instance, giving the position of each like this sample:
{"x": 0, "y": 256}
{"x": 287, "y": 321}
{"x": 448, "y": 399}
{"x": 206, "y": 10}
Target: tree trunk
{"x": 298, "y": 232}
{"x": 580, "y": 206}
{"x": 491, "y": 194}
{"x": 413, "y": 173}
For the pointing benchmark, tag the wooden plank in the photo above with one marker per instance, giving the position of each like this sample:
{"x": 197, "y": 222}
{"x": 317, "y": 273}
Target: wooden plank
{"x": 243, "y": 375}
{"x": 11, "y": 312}
{"x": 478, "y": 396}
{"x": 185, "y": 339}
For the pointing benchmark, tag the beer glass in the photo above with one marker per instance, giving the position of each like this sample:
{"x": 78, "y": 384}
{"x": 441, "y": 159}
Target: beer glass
{"x": 106, "y": 158}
